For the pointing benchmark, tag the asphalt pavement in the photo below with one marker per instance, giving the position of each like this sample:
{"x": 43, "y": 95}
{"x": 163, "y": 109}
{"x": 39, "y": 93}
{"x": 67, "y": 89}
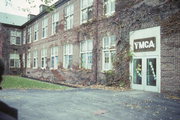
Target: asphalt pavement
{"x": 91, "y": 104}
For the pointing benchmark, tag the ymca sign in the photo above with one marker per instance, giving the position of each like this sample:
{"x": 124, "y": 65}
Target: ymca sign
{"x": 145, "y": 45}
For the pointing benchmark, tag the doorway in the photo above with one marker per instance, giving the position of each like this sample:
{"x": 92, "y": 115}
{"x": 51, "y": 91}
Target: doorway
{"x": 145, "y": 65}
{"x": 145, "y": 75}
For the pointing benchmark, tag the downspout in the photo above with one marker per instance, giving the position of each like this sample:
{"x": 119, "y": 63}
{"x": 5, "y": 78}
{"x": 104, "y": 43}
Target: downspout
{"x": 96, "y": 42}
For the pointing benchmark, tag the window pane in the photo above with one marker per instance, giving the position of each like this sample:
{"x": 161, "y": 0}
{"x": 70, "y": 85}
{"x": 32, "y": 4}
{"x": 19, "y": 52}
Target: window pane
{"x": 18, "y": 41}
{"x": 13, "y": 40}
{"x": 70, "y": 61}
{"x": 83, "y": 46}
{"x": 137, "y": 71}
{"x": 106, "y": 42}
{"x": 113, "y": 56}
{"x": 42, "y": 62}
{"x": 84, "y": 15}
{"x": 56, "y": 62}
{"x": 18, "y": 34}
{"x": 12, "y": 62}
{"x": 89, "y": 13}
{"x": 16, "y": 63}
{"x": 89, "y": 61}
{"x": 52, "y": 62}
{"x": 84, "y": 3}
{"x": 113, "y": 41}
{"x": 151, "y": 72}
{"x": 89, "y": 45}
{"x": 106, "y": 56}
{"x": 83, "y": 60}
{"x": 112, "y": 5}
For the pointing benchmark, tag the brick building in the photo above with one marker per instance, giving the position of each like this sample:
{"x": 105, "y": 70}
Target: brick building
{"x": 80, "y": 41}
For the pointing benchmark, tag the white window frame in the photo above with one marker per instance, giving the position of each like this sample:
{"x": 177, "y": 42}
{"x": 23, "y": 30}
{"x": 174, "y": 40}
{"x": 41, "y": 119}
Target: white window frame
{"x": 54, "y": 57}
{"x": 14, "y": 35}
{"x": 43, "y": 58}
{"x": 24, "y": 37}
{"x": 23, "y": 60}
{"x": 28, "y": 64}
{"x": 110, "y": 48}
{"x": 86, "y": 7}
{"x": 16, "y": 60}
{"x": 36, "y": 32}
{"x": 29, "y": 34}
{"x": 55, "y": 22}
{"x": 87, "y": 51}
{"x": 69, "y": 16}
{"x": 35, "y": 59}
{"x": 44, "y": 28}
{"x": 67, "y": 56}
{"x": 109, "y": 7}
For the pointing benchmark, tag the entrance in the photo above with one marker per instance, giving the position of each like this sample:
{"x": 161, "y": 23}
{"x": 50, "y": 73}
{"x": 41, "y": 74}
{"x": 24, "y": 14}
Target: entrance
{"x": 145, "y": 65}
{"x": 145, "y": 76}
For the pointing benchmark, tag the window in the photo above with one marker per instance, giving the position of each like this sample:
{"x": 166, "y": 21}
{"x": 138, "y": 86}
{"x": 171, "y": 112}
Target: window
{"x": 44, "y": 28}
{"x": 86, "y": 10}
{"x": 55, "y": 23}
{"x": 14, "y": 61}
{"x": 86, "y": 54}
{"x": 109, "y": 51}
{"x": 109, "y": 7}
{"x": 69, "y": 11}
{"x": 54, "y": 57}
{"x": 29, "y": 35}
{"x": 36, "y": 32}
{"x": 68, "y": 52}
{"x": 35, "y": 59}
{"x": 28, "y": 60}
{"x": 15, "y": 38}
{"x": 24, "y": 37}
{"x": 23, "y": 59}
{"x": 43, "y": 58}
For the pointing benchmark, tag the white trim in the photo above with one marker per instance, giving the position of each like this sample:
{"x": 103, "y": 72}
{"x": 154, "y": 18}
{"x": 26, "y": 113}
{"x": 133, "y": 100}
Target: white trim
{"x": 45, "y": 26}
{"x": 35, "y": 56}
{"x": 54, "y": 53}
{"x": 67, "y": 51}
{"x": 15, "y": 57}
{"x": 82, "y": 9}
{"x": 141, "y": 34}
{"x": 109, "y": 50}
{"x": 109, "y": 2}
{"x": 55, "y": 20}
{"x": 44, "y": 56}
{"x": 68, "y": 16}
{"x": 28, "y": 63}
{"x": 37, "y": 31}
{"x": 86, "y": 52}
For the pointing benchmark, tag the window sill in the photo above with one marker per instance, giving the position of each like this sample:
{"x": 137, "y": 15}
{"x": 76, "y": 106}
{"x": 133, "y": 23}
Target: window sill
{"x": 109, "y": 14}
{"x": 35, "y": 40}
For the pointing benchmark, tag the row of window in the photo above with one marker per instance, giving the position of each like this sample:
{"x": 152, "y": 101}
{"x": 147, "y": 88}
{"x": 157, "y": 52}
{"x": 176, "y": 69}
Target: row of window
{"x": 86, "y": 14}
{"x": 86, "y": 48}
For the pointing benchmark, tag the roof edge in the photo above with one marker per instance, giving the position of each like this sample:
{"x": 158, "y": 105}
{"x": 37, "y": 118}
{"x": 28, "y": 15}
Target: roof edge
{"x": 57, "y": 4}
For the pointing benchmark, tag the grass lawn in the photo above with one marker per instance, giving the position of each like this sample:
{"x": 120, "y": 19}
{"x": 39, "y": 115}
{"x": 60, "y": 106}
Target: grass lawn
{"x": 16, "y": 82}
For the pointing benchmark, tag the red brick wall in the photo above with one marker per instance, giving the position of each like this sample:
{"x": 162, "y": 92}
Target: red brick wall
{"x": 131, "y": 15}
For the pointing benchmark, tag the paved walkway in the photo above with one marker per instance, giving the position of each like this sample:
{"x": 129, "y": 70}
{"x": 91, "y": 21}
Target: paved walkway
{"x": 91, "y": 104}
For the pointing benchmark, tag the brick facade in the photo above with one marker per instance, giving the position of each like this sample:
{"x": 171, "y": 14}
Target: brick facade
{"x": 129, "y": 16}
{"x": 8, "y": 48}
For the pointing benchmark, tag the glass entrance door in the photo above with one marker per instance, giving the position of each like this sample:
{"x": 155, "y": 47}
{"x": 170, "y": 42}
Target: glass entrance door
{"x": 151, "y": 72}
{"x": 144, "y": 74}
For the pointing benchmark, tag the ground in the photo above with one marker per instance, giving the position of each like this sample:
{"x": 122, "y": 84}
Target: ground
{"x": 91, "y": 104}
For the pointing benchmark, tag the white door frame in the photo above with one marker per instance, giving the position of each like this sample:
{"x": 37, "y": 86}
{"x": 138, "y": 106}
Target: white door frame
{"x": 142, "y": 34}
{"x": 144, "y": 85}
